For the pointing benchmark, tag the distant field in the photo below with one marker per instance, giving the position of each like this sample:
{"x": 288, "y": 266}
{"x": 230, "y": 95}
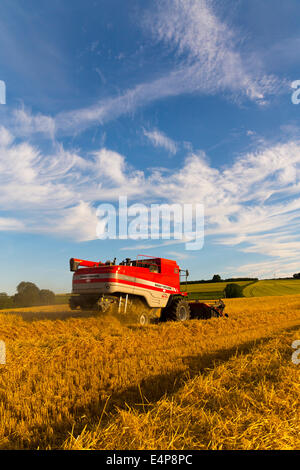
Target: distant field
{"x": 213, "y": 290}
{"x": 210, "y": 286}
{"x": 273, "y": 287}
{"x": 62, "y": 298}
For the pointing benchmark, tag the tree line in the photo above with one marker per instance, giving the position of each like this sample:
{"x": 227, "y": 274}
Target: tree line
{"x": 27, "y": 295}
{"x": 217, "y": 278}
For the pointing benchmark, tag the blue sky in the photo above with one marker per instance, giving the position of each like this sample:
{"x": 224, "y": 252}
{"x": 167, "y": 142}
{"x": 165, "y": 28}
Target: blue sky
{"x": 182, "y": 101}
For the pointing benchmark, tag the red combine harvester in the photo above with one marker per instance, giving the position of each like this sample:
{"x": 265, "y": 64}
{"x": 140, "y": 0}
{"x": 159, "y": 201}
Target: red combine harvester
{"x": 140, "y": 290}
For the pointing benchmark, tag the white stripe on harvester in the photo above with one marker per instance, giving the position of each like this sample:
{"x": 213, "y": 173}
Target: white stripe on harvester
{"x": 122, "y": 277}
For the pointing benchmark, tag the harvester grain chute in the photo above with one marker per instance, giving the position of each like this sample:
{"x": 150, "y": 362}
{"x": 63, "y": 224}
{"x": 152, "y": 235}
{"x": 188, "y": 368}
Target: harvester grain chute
{"x": 141, "y": 290}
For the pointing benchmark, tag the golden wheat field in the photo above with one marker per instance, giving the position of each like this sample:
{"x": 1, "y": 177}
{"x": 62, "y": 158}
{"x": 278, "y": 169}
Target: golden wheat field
{"x": 77, "y": 381}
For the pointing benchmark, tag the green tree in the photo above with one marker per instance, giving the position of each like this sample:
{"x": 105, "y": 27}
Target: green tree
{"x": 5, "y": 300}
{"x": 216, "y": 278}
{"x": 28, "y": 295}
{"x": 47, "y": 297}
{"x": 233, "y": 290}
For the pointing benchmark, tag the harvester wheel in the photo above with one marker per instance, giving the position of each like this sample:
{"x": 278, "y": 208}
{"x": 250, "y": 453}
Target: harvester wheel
{"x": 73, "y": 304}
{"x": 179, "y": 310}
{"x": 86, "y": 308}
{"x": 214, "y": 313}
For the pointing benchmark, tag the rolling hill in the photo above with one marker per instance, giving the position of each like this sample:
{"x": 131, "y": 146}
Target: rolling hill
{"x": 272, "y": 287}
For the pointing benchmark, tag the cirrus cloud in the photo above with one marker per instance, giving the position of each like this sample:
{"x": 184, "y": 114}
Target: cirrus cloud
{"x": 253, "y": 205}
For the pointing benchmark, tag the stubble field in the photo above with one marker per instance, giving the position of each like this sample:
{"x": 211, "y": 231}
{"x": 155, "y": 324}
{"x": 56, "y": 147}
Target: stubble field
{"x": 78, "y": 381}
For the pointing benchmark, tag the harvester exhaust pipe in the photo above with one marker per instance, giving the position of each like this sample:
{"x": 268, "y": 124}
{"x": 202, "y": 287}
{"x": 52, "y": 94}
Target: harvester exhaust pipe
{"x": 75, "y": 263}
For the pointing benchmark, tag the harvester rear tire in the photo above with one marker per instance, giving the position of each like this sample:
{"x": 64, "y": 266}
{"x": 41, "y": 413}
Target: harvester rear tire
{"x": 179, "y": 310}
{"x": 73, "y": 304}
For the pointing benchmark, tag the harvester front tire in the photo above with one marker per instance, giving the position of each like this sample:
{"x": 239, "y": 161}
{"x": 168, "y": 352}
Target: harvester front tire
{"x": 214, "y": 314}
{"x": 179, "y": 310}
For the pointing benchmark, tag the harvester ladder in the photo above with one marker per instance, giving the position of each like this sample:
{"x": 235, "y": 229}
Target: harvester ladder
{"x": 125, "y": 304}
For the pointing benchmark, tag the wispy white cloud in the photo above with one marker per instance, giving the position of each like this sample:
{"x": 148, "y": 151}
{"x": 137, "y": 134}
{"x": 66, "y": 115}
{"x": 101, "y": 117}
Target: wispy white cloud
{"x": 193, "y": 30}
{"x": 101, "y": 75}
{"x": 253, "y": 205}
{"x": 207, "y": 58}
{"x": 178, "y": 255}
{"x": 26, "y": 123}
{"x": 175, "y": 83}
{"x": 10, "y": 224}
{"x": 277, "y": 267}
{"x": 77, "y": 223}
{"x": 94, "y": 45}
{"x": 159, "y": 139}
